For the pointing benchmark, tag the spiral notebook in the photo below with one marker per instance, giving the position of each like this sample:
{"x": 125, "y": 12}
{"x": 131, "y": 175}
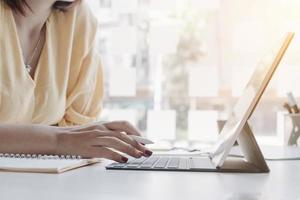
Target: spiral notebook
{"x": 42, "y": 163}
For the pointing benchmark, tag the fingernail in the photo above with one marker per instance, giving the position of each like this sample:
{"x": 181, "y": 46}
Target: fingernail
{"x": 148, "y": 153}
{"x": 124, "y": 159}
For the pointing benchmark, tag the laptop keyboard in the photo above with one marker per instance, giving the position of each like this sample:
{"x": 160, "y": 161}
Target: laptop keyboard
{"x": 157, "y": 162}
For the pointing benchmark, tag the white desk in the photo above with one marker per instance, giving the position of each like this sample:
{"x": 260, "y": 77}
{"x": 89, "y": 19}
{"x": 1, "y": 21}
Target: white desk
{"x": 95, "y": 183}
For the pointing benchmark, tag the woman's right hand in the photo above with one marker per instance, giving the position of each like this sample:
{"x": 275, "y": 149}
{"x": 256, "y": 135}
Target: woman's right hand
{"x": 102, "y": 140}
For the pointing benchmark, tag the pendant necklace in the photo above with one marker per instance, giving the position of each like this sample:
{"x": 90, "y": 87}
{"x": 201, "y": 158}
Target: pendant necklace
{"x": 28, "y": 63}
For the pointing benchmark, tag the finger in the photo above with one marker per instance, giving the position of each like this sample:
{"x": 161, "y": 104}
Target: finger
{"x": 132, "y": 142}
{"x": 102, "y": 152}
{"x": 95, "y": 134}
{"x": 122, "y": 126}
{"x": 117, "y": 144}
{"x": 122, "y": 136}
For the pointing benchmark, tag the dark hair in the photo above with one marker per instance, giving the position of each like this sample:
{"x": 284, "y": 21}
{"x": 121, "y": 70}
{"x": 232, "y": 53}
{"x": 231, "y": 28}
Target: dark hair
{"x": 19, "y": 6}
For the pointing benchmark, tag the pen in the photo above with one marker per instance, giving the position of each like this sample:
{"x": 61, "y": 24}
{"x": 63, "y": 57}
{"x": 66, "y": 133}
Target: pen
{"x": 288, "y": 107}
{"x": 292, "y": 102}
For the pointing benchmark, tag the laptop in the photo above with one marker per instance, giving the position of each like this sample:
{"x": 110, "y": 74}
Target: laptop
{"x": 235, "y": 129}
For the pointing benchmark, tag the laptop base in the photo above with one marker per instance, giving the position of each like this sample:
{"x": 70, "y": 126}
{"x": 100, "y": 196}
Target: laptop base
{"x": 231, "y": 165}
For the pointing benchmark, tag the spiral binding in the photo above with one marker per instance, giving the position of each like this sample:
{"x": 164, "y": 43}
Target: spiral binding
{"x": 39, "y": 156}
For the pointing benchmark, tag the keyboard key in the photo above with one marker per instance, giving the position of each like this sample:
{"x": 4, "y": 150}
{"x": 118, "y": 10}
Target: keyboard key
{"x": 131, "y": 165}
{"x": 138, "y": 161}
{"x": 184, "y": 163}
{"x": 135, "y": 162}
{"x": 162, "y": 162}
{"x": 200, "y": 163}
{"x": 117, "y": 165}
{"x": 174, "y": 163}
{"x": 150, "y": 162}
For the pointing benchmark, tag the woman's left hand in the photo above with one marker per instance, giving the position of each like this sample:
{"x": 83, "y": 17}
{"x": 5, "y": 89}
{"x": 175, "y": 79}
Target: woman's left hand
{"x": 100, "y": 139}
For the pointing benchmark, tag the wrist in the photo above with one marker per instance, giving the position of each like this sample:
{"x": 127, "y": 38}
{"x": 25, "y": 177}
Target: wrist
{"x": 61, "y": 140}
{"x": 52, "y": 138}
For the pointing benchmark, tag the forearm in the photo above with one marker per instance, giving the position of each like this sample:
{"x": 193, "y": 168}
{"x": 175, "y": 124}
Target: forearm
{"x": 28, "y": 139}
{"x": 103, "y": 140}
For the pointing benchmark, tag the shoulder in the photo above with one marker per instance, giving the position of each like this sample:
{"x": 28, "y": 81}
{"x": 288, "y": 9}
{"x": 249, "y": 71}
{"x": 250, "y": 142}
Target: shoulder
{"x": 78, "y": 25}
{"x": 2, "y": 6}
{"x": 4, "y": 9}
{"x": 85, "y": 20}
{"x": 6, "y": 20}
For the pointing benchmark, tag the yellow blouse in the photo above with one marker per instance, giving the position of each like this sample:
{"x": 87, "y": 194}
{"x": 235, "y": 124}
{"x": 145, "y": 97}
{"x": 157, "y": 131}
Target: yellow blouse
{"x": 67, "y": 87}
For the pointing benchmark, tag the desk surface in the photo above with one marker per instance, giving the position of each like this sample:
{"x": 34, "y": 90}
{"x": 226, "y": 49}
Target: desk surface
{"x": 95, "y": 183}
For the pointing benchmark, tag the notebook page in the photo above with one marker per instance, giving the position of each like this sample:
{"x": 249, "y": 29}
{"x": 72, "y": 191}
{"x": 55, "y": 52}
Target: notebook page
{"x": 41, "y": 165}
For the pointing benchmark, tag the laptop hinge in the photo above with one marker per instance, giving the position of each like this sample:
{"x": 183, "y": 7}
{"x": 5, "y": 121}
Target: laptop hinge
{"x": 253, "y": 160}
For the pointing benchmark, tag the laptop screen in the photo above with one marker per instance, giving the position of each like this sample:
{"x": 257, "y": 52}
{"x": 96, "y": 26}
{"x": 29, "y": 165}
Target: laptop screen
{"x": 248, "y": 101}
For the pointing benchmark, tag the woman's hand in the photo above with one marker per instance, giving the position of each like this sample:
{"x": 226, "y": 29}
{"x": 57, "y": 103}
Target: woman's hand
{"x": 101, "y": 140}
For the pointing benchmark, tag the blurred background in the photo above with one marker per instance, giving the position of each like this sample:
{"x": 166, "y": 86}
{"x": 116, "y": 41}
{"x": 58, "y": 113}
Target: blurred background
{"x": 175, "y": 67}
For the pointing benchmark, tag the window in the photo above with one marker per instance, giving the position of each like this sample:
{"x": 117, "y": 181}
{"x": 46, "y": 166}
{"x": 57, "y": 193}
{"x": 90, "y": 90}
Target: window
{"x": 174, "y": 67}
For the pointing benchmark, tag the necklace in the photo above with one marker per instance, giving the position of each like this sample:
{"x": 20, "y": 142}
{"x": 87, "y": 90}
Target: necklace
{"x": 28, "y": 64}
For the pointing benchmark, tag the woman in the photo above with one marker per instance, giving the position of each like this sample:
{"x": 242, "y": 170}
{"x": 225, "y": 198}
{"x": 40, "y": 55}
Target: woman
{"x": 50, "y": 74}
